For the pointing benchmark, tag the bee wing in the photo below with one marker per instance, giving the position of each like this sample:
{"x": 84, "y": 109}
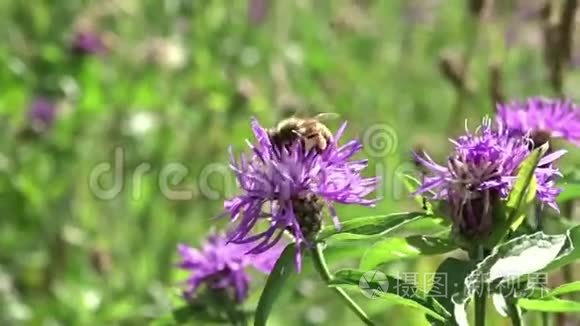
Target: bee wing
{"x": 326, "y": 116}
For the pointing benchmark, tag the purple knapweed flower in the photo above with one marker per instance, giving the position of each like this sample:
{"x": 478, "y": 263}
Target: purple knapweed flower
{"x": 88, "y": 43}
{"x": 222, "y": 266}
{"x": 42, "y": 113}
{"x": 482, "y": 170}
{"x": 289, "y": 187}
{"x": 542, "y": 118}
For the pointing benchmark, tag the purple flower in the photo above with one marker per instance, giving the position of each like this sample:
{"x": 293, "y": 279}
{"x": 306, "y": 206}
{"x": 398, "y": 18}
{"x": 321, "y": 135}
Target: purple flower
{"x": 257, "y": 10}
{"x": 86, "y": 42}
{"x": 482, "y": 170}
{"x": 222, "y": 266}
{"x": 289, "y": 186}
{"x": 41, "y": 113}
{"x": 543, "y": 118}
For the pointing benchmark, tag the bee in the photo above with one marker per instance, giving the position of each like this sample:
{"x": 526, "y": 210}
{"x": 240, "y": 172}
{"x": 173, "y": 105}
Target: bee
{"x": 311, "y": 130}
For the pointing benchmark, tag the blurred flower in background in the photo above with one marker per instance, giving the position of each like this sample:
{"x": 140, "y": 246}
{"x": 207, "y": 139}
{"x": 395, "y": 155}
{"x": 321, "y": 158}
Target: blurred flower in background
{"x": 142, "y": 123}
{"x": 257, "y": 10}
{"x": 87, "y": 42}
{"x": 482, "y": 170}
{"x": 222, "y": 266}
{"x": 295, "y": 184}
{"x": 42, "y": 113}
{"x": 542, "y": 118}
{"x": 165, "y": 52}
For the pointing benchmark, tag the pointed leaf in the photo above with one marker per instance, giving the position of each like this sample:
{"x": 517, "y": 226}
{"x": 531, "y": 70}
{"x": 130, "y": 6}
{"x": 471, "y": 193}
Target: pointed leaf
{"x": 518, "y": 257}
{"x": 529, "y": 254}
{"x": 391, "y": 249}
{"x": 552, "y": 305}
{"x": 524, "y": 189}
{"x": 373, "y": 227}
{"x": 282, "y": 270}
{"x": 571, "y": 251}
{"x": 565, "y": 288}
{"x": 412, "y": 184}
{"x": 391, "y": 289}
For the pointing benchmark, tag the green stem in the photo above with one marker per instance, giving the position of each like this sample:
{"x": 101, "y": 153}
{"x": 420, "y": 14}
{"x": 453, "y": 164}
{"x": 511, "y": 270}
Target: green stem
{"x": 322, "y": 268}
{"x": 545, "y": 319}
{"x": 480, "y": 298}
{"x": 480, "y": 307}
{"x": 540, "y": 227}
{"x": 514, "y": 312}
{"x": 567, "y": 271}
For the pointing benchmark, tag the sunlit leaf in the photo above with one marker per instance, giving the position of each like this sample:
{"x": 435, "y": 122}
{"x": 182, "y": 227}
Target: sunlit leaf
{"x": 565, "y": 289}
{"x": 551, "y": 305}
{"x": 391, "y": 249}
{"x": 524, "y": 189}
{"x": 518, "y": 257}
{"x": 569, "y": 253}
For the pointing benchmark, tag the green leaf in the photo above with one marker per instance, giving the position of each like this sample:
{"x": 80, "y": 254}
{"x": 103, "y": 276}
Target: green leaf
{"x": 570, "y": 252}
{"x": 565, "y": 288}
{"x": 345, "y": 250}
{"x": 282, "y": 270}
{"x": 569, "y": 191}
{"x": 518, "y": 257}
{"x": 371, "y": 227}
{"x": 412, "y": 184}
{"x": 552, "y": 305}
{"x": 524, "y": 190}
{"x": 192, "y": 312}
{"x": 208, "y": 307}
{"x": 390, "y": 288}
{"x": 453, "y": 272}
{"x": 391, "y": 249}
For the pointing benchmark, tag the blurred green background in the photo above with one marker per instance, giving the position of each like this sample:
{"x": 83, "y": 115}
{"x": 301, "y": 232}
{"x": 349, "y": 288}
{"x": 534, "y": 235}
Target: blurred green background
{"x": 170, "y": 84}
